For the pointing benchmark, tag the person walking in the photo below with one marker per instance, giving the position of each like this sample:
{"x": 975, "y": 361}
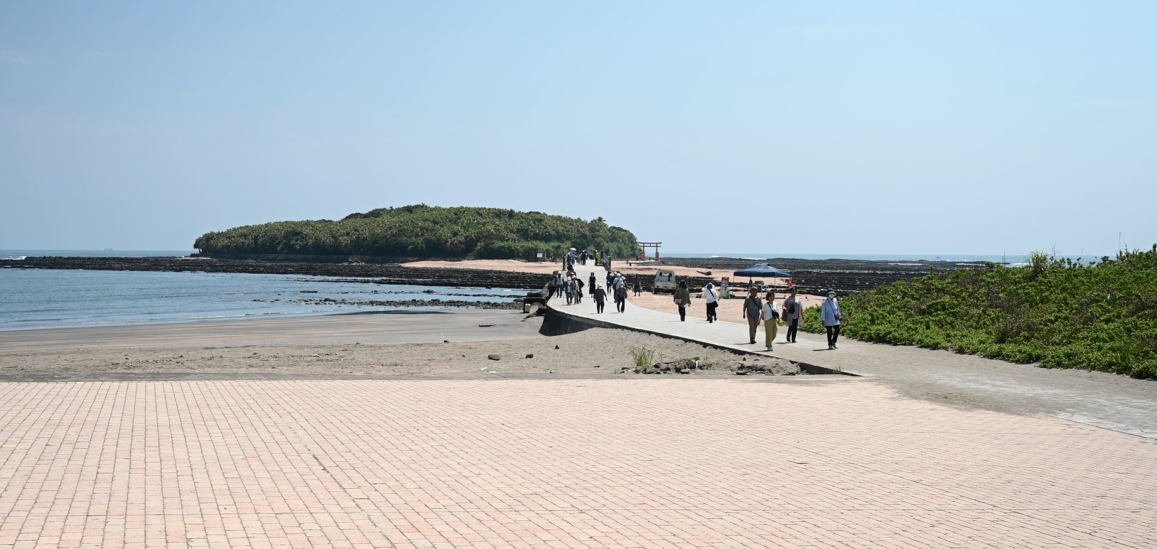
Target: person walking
{"x": 752, "y": 310}
{"x": 600, "y": 299}
{"x": 770, "y": 318}
{"x": 830, "y": 315}
{"x": 682, "y": 299}
{"x": 638, "y": 286}
{"x": 792, "y": 314}
{"x": 578, "y": 290}
{"x": 592, "y": 282}
{"x": 712, "y": 298}
{"x": 569, "y": 290}
{"x": 621, "y": 297}
{"x": 558, "y": 284}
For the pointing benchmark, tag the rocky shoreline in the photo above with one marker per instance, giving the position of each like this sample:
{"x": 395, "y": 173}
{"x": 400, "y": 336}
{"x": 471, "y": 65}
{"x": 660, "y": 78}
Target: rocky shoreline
{"x": 515, "y": 304}
{"x": 384, "y": 273}
{"x": 814, "y": 276}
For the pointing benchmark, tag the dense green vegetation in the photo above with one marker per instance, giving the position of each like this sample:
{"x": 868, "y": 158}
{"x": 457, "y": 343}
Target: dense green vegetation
{"x": 1062, "y": 314}
{"x": 426, "y": 231}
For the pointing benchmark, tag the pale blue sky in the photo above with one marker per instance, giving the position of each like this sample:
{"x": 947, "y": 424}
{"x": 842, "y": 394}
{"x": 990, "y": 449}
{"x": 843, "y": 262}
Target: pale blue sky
{"x": 881, "y": 127}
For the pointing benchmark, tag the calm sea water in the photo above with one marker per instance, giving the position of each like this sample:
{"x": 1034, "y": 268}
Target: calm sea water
{"x": 34, "y": 298}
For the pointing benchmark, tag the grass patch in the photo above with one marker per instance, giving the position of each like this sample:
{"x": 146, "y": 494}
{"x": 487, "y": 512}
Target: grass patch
{"x": 1062, "y": 314}
{"x": 643, "y": 358}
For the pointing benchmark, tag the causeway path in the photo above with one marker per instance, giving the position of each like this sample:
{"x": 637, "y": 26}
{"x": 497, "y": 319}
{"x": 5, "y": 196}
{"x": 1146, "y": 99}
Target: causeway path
{"x": 1094, "y": 398}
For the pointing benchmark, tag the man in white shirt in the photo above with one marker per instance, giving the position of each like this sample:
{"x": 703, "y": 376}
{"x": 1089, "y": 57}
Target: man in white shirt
{"x": 712, "y": 299}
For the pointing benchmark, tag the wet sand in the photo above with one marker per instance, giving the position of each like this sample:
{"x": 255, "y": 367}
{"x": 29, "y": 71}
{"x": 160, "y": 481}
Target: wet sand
{"x": 341, "y": 329}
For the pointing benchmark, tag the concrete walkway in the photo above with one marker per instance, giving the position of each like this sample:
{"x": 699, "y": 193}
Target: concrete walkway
{"x": 1094, "y": 398}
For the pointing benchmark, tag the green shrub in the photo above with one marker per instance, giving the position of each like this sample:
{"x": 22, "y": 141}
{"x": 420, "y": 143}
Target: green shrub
{"x": 1061, "y": 314}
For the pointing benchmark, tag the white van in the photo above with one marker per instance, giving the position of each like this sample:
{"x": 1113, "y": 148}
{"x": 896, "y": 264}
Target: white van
{"x": 664, "y": 282}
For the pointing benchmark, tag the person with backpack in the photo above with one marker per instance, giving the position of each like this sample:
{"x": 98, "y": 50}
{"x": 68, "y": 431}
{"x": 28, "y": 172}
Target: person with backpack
{"x": 621, "y": 297}
{"x": 712, "y": 298}
{"x": 752, "y": 311}
{"x": 578, "y": 290}
{"x": 682, "y": 300}
{"x": 830, "y": 315}
{"x": 792, "y": 315}
{"x": 600, "y": 299}
{"x": 770, "y": 318}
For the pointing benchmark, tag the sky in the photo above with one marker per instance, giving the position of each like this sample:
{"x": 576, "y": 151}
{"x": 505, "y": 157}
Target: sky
{"x": 772, "y": 127}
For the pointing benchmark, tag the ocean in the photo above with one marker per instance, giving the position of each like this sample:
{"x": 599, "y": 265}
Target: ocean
{"x": 35, "y": 298}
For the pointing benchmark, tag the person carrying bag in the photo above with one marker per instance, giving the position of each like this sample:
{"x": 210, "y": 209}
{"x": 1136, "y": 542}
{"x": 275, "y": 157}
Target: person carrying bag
{"x": 682, "y": 300}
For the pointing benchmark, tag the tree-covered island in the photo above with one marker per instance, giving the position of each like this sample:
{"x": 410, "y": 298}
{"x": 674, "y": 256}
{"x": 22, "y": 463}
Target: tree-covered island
{"x": 426, "y": 231}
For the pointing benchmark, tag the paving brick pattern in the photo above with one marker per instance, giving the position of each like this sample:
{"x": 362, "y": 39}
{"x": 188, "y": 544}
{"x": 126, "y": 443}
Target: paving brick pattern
{"x": 558, "y": 463}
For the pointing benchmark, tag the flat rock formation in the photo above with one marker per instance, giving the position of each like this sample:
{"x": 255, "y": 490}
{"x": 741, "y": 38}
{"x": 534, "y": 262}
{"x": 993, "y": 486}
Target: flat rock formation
{"x": 381, "y": 273}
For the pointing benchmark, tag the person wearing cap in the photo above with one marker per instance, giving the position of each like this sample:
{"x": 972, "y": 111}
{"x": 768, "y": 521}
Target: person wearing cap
{"x": 600, "y": 299}
{"x": 752, "y": 310}
{"x": 621, "y": 296}
{"x": 830, "y": 315}
{"x": 712, "y": 298}
{"x": 792, "y": 314}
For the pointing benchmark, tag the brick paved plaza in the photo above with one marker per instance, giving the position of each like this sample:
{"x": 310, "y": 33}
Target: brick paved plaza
{"x": 558, "y": 463}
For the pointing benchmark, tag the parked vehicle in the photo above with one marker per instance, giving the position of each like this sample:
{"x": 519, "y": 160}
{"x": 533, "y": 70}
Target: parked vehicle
{"x": 664, "y": 282}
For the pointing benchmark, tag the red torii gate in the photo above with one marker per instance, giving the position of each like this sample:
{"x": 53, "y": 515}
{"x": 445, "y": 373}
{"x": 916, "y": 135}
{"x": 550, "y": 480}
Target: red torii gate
{"x": 646, "y": 245}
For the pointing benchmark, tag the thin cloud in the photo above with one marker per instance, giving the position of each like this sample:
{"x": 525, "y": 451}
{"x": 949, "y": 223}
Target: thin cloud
{"x": 13, "y": 57}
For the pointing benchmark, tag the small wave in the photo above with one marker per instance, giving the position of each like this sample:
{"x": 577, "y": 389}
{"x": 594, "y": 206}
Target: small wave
{"x": 14, "y": 258}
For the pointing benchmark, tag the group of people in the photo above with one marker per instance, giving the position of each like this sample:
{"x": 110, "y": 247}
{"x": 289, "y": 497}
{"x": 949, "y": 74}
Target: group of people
{"x": 767, "y": 312}
{"x": 570, "y": 285}
{"x": 572, "y": 258}
{"x": 756, "y": 311}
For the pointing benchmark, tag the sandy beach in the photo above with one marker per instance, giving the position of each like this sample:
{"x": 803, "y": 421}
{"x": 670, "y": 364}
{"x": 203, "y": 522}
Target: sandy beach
{"x": 453, "y": 345}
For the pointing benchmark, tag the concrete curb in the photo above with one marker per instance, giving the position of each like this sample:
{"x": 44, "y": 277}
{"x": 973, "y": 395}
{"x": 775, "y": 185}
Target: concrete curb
{"x": 557, "y": 322}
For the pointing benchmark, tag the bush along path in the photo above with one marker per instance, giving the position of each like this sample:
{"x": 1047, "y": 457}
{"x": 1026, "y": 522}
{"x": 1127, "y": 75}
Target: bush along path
{"x": 1060, "y": 313}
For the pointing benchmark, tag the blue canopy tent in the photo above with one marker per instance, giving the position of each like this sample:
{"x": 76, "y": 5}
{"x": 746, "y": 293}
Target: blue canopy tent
{"x": 763, "y": 269}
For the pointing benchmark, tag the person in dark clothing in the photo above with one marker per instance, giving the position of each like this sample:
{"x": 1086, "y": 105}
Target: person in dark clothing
{"x": 792, "y": 314}
{"x": 593, "y": 283}
{"x": 600, "y": 298}
{"x": 682, "y": 300}
{"x": 621, "y": 298}
{"x": 638, "y": 286}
